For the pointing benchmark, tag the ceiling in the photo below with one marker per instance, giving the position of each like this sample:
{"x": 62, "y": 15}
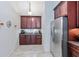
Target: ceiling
{"x": 22, "y": 7}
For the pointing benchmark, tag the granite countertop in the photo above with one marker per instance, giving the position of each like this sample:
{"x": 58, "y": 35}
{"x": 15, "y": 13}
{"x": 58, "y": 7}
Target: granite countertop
{"x": 31, "y": 34}
{"x": 74, "y": 43}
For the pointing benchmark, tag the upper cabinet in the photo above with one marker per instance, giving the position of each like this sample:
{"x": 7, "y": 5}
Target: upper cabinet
{"x": 23, "y": 22}
{"x": 69, "y": 9}
{"x": 30, "y": 22}
{"x": 36, "y": 22}
{"x": 63, "y": 9}
{"x": 78, "y": 14}
{"x": 60, "y": 10}
{"x": 72, "y": 14}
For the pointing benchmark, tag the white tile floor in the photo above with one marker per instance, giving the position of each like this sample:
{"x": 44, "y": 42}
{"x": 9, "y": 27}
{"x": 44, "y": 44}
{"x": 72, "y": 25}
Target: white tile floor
{"x": 30, "y": 51}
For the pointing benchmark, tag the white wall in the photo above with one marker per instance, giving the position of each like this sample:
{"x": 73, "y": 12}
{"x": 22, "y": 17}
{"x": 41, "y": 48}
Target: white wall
{"x": 47, "y": 17}
{"x": 8, "y": 36}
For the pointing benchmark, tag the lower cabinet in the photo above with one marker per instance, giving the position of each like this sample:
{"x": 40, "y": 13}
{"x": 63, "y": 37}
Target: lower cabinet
{"x": 33, "y": 39}
{"x": 73, "y": 50}
{"x": 30, "y": 39}
{"x": 38, "y": 41}
{"x": 22, "y": 40}
{"x": 27, "y": 39}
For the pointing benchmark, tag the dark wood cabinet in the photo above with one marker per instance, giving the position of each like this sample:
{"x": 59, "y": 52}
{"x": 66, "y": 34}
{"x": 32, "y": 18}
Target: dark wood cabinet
{"x": 30, "y": 39}
{"x": 22, "y": 40}
{"x": 33, "y": 39}
{"x": 38, "y": 22}
{"x": 23, "y": 22}
{"x": 30, "y": 22}
{"x": 57, "y": 12}
{"x": 60, "y": 10}
{"x": 63, "y": 9}
{"x": 67, "y": 8}
{"x": 72, "y": 14}
{"x": 78, "y": 14}
{"x": 33, "y": 22}
{"x": 73, "y": 49}
{"x": 38, "y": 41}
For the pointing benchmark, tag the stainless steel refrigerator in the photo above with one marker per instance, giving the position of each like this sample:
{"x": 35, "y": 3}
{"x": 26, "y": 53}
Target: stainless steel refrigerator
{"x": 59, "y": 37}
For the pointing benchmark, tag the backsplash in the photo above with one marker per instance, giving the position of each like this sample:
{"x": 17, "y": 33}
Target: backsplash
{"x": 30, "y": 30}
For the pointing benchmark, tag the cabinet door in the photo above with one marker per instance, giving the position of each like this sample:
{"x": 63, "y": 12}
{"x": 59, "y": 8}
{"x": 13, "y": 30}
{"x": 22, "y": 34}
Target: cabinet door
{"x": 23, "y": 22}
{"x": 29, "y": 23}
{"x": 38, "y": 39}
{"x": 33, "y": 22}
{"x": 38, "y": 22}
{"x": 22, "y": 40}
{"x": 28, "y": 39}
{"x": 57, "y": 12}
{"x": 63, "y": 9}
{"x": 33, "y": 39}
{"x": 72, "y": 14}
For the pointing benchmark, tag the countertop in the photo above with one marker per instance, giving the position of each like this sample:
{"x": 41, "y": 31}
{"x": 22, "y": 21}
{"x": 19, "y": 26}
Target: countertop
{"x": 76, "y": 43}
{"x": 31, "y": 34}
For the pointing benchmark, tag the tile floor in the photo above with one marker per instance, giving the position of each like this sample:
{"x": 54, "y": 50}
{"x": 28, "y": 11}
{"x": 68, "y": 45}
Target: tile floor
{"x": 30, "y": 51}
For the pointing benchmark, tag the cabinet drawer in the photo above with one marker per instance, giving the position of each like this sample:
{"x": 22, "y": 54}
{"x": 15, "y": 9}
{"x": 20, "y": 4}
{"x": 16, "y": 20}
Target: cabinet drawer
{"x": 75, "y": 47}
{"x": 38, "y": 41}
{"x": 75, "y": 52}
{"x": 38, "y": 36}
